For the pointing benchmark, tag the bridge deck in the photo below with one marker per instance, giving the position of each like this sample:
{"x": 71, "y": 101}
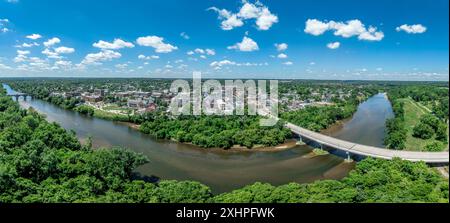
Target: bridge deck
{"x": 370, "y": 151}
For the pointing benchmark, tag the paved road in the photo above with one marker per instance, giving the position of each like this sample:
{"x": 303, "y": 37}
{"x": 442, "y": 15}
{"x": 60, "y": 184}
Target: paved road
{"x": 370, "y": 151}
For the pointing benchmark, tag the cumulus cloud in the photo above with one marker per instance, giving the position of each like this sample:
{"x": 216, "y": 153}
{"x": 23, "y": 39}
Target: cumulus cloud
{"x": 51, "y": 54}
{"x": 281, "y": 46}
{"x": 26, "y": 45}
{"x": 34, "y": 36}
{"x": 21, "y": 56}
{"x": 316, "y": 27}
{"x": 334, "y": 45}
{"x": 55, "y": 53}
{"x": 202, "y": 52}
{"x": 52, "y": 42}
{"x": 152, "y": 57}
{"x": 97, "y": 58}
{"x": 282, "y": 56}
{"x": 115, "y": 45}
{"x": 264, "y": 18}
{"x": 344, "y": 29}
{"x": 247, "y": 45}
{"x": 210, "y": 52}
{"x": 229, "y": 20}
{"x": 289, "y": 63}
{"x": 412, "y": 29}
{"x": 157, "y": 43}
{"x": 64, "y": 50}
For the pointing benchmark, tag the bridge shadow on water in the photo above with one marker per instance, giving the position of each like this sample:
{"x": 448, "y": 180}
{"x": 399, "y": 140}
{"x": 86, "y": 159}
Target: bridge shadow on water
{"x": 332, "y": 151}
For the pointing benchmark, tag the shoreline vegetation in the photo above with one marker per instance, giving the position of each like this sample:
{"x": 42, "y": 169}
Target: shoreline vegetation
{"x": 416, "y": 127}
{"x": 40, "y": 162}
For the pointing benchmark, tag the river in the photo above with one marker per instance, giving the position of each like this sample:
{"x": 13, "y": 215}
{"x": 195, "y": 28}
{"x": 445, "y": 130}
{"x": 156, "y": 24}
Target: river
{"x": 221, "y": 170}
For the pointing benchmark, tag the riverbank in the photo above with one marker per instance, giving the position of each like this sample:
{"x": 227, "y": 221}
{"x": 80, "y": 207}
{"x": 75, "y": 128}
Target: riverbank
{"x": 289, "y": 144}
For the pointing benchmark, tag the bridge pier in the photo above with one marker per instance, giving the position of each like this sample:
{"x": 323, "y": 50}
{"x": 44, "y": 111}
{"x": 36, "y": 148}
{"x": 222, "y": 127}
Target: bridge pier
{"x": 349, "y": 159}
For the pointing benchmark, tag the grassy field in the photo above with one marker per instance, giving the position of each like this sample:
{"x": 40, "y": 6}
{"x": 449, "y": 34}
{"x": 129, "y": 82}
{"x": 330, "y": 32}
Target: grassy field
{"x": 413, "y": 113}
{"x": 109, "y": 116}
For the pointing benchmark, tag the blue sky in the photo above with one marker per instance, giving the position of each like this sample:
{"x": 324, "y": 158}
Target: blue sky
{"x": 308, "y": 39}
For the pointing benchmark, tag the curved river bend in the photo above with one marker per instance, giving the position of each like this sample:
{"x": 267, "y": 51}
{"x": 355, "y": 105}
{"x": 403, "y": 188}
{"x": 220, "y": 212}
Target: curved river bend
{"x": 221, "y": 170}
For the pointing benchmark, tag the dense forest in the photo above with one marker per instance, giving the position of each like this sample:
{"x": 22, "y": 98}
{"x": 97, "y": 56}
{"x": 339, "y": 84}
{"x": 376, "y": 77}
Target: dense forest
{"x": 216, "y": 131}
{"x": 40, "y": 162}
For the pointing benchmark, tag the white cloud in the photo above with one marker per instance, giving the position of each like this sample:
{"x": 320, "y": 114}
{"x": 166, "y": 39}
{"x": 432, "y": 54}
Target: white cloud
{"x": 52, "y": 42}
{"x": 229, "y": 20}
{"x": 345, "y": 29}
{"x": 217, "y": 65}
{"x": 105, "y": 55}
{"x": 334, "y": 45}
{"x": 281, "y": 46}
{"x": 34, "y": 36}
{"x": 412, "y": 29}
{"x": 51, "y": 54}
{"x": 12, "y": 1}
{"x": 222, "y": 63}
{"x": 63, "y": 63}
{"x": 210, "y": 52}
{"x": 289, "y": 63}
{"x": 4, "y": 67}
{"x": 64, "y": 50}
{"x": 249, "y": 11}
{"x": 157, "y": 43}
{"x": 23, "y": 52}
{"x": 55, "y": 54}
{"x": 3, "y": 24}
{"x": 26, "y": 45}
{"x": 247, "y": 45}
{"x": 316, "y": 27}
{"x": 115, "y": 45}
{"x": 121, "y": 66}
{"x": 282, "y": 56}
{"x": 21, "y": 56}
{"x": 264, "y": 18}
{"x": 371, "y": 35}
{"x": 200, "y": 51}
{"x": 184, "y": 35}
{"x": 152, "y": 57}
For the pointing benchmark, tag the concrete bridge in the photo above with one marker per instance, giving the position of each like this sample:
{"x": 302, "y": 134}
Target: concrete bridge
{"x": 18, "y": 95}
{"x": 370, "y": 151}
